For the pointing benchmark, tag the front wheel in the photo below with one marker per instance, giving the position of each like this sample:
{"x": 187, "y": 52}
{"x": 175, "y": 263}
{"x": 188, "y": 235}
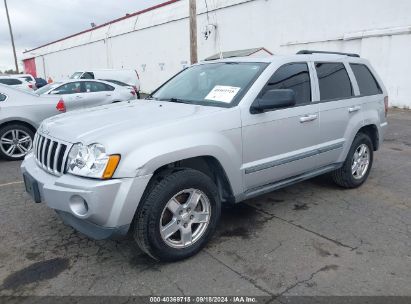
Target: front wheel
{"x": 15, "y": 141}
{"x": 357, "y": 165}
{"x": 178, "y": 217}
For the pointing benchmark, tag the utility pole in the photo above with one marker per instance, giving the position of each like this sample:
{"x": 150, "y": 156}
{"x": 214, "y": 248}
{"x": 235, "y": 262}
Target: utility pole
{"x": 193, "y": 32}
{"x": 12, "y": 38}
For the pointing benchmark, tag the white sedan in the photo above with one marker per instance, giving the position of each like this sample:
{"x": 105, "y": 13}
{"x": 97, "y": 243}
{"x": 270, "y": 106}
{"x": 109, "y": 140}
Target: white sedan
{"x": 84, "y": 93}
{"x": 16, "y": 82}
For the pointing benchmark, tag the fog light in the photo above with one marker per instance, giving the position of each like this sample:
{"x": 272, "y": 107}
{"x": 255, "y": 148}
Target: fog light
{"x": 78, "y": 205}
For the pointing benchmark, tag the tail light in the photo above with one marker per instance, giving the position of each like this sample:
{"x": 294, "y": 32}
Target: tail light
{"x": 386, "y": 105}
{"x": 61, "y": 107}
{"x": 30, "y": 86}
{"x": 133, "y": 92}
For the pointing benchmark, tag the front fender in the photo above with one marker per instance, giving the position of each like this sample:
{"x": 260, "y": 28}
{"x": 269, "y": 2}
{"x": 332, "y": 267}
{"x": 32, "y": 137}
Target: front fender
{"x": 225, "y": 147}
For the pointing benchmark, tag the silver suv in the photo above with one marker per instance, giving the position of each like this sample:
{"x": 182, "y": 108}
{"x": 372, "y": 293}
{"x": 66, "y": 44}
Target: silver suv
{"x": 218, "y": 132}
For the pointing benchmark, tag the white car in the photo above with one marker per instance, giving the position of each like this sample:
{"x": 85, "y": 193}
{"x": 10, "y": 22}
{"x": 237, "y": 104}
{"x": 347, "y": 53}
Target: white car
{"x": 16, "y": 82}
{"x": 21, "y": 113}
{"x": 129, "y": 77}
{"x": 84, "y": 93}
{"x": 27, "y": 77}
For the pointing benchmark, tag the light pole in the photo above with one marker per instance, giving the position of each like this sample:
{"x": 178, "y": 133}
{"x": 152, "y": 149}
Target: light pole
{"x": 193, "y": 31}
{"x": 12, "y": 38}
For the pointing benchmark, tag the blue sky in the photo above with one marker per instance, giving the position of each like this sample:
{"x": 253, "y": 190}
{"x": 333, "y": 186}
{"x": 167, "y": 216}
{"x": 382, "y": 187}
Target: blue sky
{"x": 36, "y": 22}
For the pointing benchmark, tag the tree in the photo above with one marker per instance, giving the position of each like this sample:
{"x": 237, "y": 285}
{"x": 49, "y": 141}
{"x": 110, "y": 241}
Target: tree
{"x": 11, "y": 72}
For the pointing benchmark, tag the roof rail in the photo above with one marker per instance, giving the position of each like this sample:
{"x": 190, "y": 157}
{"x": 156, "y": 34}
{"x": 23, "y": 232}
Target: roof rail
{"x": 308, "y": 52}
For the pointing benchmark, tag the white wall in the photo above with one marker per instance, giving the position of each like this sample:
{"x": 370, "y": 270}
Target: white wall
{"x": 379, "y": 30}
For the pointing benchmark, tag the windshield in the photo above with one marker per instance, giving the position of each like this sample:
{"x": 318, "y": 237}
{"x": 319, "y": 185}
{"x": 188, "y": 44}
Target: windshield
{"x": 214, "y": 84}
{"x": 76, "y": 75}
{"x": 47, "y": 88}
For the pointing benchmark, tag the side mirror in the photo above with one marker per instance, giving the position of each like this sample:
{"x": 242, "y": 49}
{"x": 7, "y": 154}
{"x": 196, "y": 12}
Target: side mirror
{"x": 273, "y": 99}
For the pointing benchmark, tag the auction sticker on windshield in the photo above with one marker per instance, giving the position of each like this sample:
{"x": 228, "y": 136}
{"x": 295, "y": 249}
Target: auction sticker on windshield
{"x": 222, "y": 93}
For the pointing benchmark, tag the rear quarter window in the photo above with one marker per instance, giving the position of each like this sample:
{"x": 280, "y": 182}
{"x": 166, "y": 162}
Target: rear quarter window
{"x": 2, "y": 97}
{"x": 367, "y": 83}
{"x": 333, "y": 80}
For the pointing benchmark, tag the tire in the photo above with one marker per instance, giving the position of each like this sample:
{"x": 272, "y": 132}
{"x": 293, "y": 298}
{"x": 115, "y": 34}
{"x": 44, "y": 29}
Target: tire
{"x": 153, "y": 215}
{"x": 344, "y": 176}
{"x": 9, "y": 135}
{"x": 138, "y": 95}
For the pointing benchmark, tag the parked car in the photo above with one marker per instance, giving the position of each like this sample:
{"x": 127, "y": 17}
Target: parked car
{"x": 40, "y": 82}
{"x": 87, "y": 93}
{"x": 129, "y": 77}
{"x": 218, "y": 132}
{"x": 27, "y": 77}
{"x": 16, "y": 83}
{"x": 122, "y": 84}
{"x": 21, "y": 113}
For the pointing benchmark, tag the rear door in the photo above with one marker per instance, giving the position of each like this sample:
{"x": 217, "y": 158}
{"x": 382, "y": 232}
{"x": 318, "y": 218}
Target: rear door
{"x": 97, "y": 93}
{"x": 282, "y": 143}
{"x": 340, "y": 110}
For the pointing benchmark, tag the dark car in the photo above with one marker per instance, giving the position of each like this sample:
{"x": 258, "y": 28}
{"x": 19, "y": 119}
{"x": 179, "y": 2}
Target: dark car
{"x": 40, "y": 82}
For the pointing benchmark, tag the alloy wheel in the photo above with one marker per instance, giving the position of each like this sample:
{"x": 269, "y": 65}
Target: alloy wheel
{"x": 360, "y": 161}
{"x": 16, "y": 143}
{"x": 185, "y": 218}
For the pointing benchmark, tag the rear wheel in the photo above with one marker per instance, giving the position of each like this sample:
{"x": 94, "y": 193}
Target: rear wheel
{"x": 178, "y": 217}
{"x": 15, "y": 141}
{"x": 357, "y": 165}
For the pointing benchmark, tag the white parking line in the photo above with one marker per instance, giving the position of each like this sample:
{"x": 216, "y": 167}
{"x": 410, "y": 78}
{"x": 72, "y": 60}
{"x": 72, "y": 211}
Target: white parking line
{"x": 13, "y": 183}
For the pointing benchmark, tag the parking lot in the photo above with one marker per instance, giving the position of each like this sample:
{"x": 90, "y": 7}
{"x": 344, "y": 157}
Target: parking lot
{"x": 308, "y": 239}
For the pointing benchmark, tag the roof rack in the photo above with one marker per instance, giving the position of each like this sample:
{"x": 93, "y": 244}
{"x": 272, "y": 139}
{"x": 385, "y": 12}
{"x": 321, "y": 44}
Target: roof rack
{"x": 308, "y": 52}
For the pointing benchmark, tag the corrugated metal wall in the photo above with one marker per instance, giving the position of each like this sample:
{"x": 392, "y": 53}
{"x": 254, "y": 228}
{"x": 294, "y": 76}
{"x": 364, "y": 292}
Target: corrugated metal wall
{"x": 156, "y": 43}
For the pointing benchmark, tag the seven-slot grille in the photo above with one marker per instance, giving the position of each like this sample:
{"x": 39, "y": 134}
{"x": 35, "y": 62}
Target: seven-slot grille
{"x": 50, "y": 154}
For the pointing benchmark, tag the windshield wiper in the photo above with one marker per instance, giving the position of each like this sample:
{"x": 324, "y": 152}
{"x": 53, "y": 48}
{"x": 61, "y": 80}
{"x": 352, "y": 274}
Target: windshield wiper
{"x": 177, "y": 100}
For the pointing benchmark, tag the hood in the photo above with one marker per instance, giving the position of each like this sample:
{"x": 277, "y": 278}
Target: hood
{"x": 100, "y": 123}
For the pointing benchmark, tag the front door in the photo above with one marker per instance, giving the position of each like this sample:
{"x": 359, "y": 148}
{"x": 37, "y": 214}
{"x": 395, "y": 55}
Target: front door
{"x": 280, "y": 144}
{"x": 71, "y": 94}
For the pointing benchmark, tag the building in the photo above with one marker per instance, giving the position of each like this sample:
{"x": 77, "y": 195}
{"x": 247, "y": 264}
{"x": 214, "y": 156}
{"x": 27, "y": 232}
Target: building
{"x": 155, "y": 41}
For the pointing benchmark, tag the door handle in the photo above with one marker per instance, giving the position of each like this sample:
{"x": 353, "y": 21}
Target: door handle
{"x": 354, "y": 109}
{"x": 308, "y": 118}
{"x": 79, "y": 97}
{"x": 108, "y": 94}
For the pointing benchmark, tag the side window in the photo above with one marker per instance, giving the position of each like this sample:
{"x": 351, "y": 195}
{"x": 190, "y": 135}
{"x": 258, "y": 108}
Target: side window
{"x": 294, "y": 76}
{"x": 109, "y": 87}
{"x": 10, "y": 81}
{"x": 87, "y": 75}
{"x": 2, "y": 97}
{"x": 366, "y": 81}
{"x": 94, "y": 86}
{"x": 68, "y": 88}
{"x": 334, "y": 81}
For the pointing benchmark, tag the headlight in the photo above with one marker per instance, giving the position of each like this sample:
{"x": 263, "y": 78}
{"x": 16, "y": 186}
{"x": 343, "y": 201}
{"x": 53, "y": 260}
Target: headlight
{"x": 91, "y": 161}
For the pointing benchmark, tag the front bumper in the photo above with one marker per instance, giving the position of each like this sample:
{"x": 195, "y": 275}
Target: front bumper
{"x": 98, "y": 208}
